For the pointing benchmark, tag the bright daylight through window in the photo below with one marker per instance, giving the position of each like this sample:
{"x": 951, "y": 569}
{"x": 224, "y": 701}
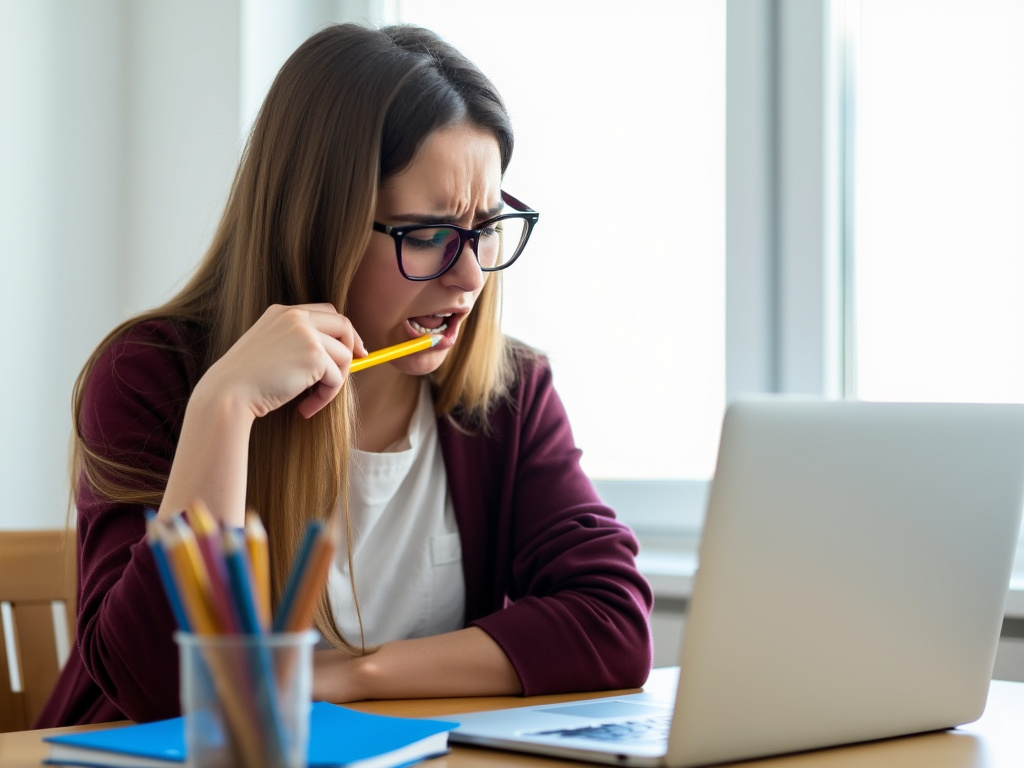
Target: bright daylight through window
{"x": 938, "y": 200}
{"x": 620, "y": 143}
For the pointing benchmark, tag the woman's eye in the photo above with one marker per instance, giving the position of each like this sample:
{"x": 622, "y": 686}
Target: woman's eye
{"x": 428, "y": 239}
{"x": 417, "y": 242}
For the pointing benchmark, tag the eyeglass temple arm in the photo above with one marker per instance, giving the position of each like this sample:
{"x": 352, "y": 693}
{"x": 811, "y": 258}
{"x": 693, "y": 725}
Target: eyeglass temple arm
{"x": 516, "y": 203}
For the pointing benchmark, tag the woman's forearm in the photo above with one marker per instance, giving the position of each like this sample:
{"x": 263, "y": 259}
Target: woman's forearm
{"x": 462, "y": 663}
{"x": 211, "y": 459}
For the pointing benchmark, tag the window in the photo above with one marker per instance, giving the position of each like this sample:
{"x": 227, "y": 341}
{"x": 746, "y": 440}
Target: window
{"x": 871, "y": 198}
{"x": 619, "y": 121}
{"x": 938, "y": 196}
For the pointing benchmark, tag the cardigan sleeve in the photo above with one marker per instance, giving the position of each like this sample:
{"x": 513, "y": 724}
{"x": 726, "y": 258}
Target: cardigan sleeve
{"x": 567, "y": 604}
{"x": 134, "y": 401}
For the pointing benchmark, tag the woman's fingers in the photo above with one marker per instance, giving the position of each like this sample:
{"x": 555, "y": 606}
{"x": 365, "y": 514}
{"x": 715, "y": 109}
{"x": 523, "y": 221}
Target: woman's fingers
{"x": 290, "y": 350}
{"x": 339, "y": 341}
{"x": 338, "y": 358}
{"x": 332, "y": 323}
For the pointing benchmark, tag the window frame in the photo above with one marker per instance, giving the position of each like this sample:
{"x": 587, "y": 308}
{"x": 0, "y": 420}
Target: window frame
{"x": 787, "y": 115}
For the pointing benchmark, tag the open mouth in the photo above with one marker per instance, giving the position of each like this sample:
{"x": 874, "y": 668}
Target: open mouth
{"x": 430, "y": 323}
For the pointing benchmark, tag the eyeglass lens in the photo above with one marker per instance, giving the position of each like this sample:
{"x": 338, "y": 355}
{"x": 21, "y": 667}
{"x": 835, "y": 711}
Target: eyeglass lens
{"x": 427, "y": 251}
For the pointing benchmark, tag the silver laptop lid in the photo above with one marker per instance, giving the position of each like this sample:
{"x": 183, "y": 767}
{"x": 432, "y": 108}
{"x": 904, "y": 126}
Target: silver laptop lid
{"x": 853, "y": 571}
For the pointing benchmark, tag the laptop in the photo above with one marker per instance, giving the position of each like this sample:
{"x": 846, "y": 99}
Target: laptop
{"x": 852, "y": 576}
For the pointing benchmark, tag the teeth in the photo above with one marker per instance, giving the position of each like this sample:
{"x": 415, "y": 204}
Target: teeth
{"x": 420, "y": 329}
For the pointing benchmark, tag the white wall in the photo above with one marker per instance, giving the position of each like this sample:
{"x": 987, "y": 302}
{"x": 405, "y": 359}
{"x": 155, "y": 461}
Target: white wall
{"x": 181, "y": 142}
{"x": 60, "y": 237}
{"x": 121, "y": 123}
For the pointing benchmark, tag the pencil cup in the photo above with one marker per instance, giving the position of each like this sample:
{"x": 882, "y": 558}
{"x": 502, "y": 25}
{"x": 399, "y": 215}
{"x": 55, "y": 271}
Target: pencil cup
{"x": 246, "y": 699}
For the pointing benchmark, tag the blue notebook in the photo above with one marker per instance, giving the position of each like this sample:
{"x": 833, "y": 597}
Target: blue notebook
{"x": 338, "y": 736}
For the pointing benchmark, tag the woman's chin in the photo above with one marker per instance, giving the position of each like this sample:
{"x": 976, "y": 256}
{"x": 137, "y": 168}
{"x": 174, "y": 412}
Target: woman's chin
{"x": 421, "y": 363}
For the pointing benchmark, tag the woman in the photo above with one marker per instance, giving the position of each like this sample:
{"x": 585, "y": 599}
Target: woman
{"x": 479, "y": 559}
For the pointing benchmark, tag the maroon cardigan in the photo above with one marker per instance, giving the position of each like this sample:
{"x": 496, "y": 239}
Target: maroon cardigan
{"x": 550, "y": 574}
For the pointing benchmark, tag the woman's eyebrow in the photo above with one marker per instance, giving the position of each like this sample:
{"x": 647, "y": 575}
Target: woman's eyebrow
{"x": 430, "y": 219}
{"x": 420, "y": 218}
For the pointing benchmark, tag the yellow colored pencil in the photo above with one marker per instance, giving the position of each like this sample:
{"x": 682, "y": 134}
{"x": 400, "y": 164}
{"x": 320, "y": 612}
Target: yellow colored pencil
{"x": 398, "y": 350}
{"x": 207, "y": 536}
{"x": 191, "y": 577}
{"x": 259, "y": 560}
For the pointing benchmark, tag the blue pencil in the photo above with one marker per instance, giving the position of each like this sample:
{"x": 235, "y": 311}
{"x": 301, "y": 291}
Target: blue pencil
{"x": 261, "y": 663}
{"x": 164, "y": 569}
{"x": 291, "y": 587}
{"x": 240, "y": 581}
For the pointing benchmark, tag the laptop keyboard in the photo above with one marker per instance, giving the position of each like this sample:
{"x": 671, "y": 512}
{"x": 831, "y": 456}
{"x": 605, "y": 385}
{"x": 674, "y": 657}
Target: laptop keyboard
{"x": 633, "y": 731}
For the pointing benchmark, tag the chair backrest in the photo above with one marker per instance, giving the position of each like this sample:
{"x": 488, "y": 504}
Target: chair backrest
{"x": 37, "y": 598}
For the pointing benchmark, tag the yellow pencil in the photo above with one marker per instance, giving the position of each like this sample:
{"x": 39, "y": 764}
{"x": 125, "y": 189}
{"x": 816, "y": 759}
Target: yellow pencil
{"x": 398, "y": 350}
{"x": 207, "y": 536}
{"x": 259, "y": 559}
{"x": 191, "y": 577}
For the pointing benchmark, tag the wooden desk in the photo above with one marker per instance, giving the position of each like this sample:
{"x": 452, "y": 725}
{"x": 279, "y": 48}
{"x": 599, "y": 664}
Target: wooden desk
{"x": 994, "y": 741}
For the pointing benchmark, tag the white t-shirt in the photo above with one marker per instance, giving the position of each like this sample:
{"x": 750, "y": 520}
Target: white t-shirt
{"x": 406, "y": 548}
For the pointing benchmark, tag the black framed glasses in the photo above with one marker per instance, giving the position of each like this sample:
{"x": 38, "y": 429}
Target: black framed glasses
{"x": 427, "y": 251}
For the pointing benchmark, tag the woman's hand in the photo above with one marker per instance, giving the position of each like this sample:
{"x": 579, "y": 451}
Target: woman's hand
{"x": 288, "y": 351}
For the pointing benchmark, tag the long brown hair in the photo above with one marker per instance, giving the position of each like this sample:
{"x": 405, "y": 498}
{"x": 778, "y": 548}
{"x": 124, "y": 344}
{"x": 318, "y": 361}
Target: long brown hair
{"x": 348, "y": 109}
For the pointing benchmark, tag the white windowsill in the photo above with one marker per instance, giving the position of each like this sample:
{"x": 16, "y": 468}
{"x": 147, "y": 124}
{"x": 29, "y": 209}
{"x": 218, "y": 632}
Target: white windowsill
{"x": 671, "y": 577}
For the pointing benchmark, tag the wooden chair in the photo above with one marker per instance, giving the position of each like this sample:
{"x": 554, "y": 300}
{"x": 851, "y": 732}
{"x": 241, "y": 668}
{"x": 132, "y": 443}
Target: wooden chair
{"x": 37, "y": 573}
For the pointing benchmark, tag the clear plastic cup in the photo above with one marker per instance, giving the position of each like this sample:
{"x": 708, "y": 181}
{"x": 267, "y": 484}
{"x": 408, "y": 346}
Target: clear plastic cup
{"x": 246, "y": 699}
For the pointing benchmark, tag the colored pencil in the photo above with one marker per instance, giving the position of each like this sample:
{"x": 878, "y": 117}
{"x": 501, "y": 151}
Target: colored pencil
{"x": 240, "y": 581}
{"x": 190, "y": 577}
{"x": 261, "y": 665}
{"x": 291, "y": 587}
{"x": 313, "y": 575}
{"x": 208, "y": 539}
{"x": 398, "y": 350}
{"x": 259, "y": 560}
{"x": 156, "y": 545}
{"x": 217, "y": 581}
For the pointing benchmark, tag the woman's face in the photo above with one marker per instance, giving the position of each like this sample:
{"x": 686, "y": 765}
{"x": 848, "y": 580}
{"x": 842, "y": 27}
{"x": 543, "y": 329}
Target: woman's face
{"x": 454, "y": 178}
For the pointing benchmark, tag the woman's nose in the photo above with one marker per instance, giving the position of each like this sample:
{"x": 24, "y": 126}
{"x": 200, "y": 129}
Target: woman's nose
{"x": 465, "y": 274}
